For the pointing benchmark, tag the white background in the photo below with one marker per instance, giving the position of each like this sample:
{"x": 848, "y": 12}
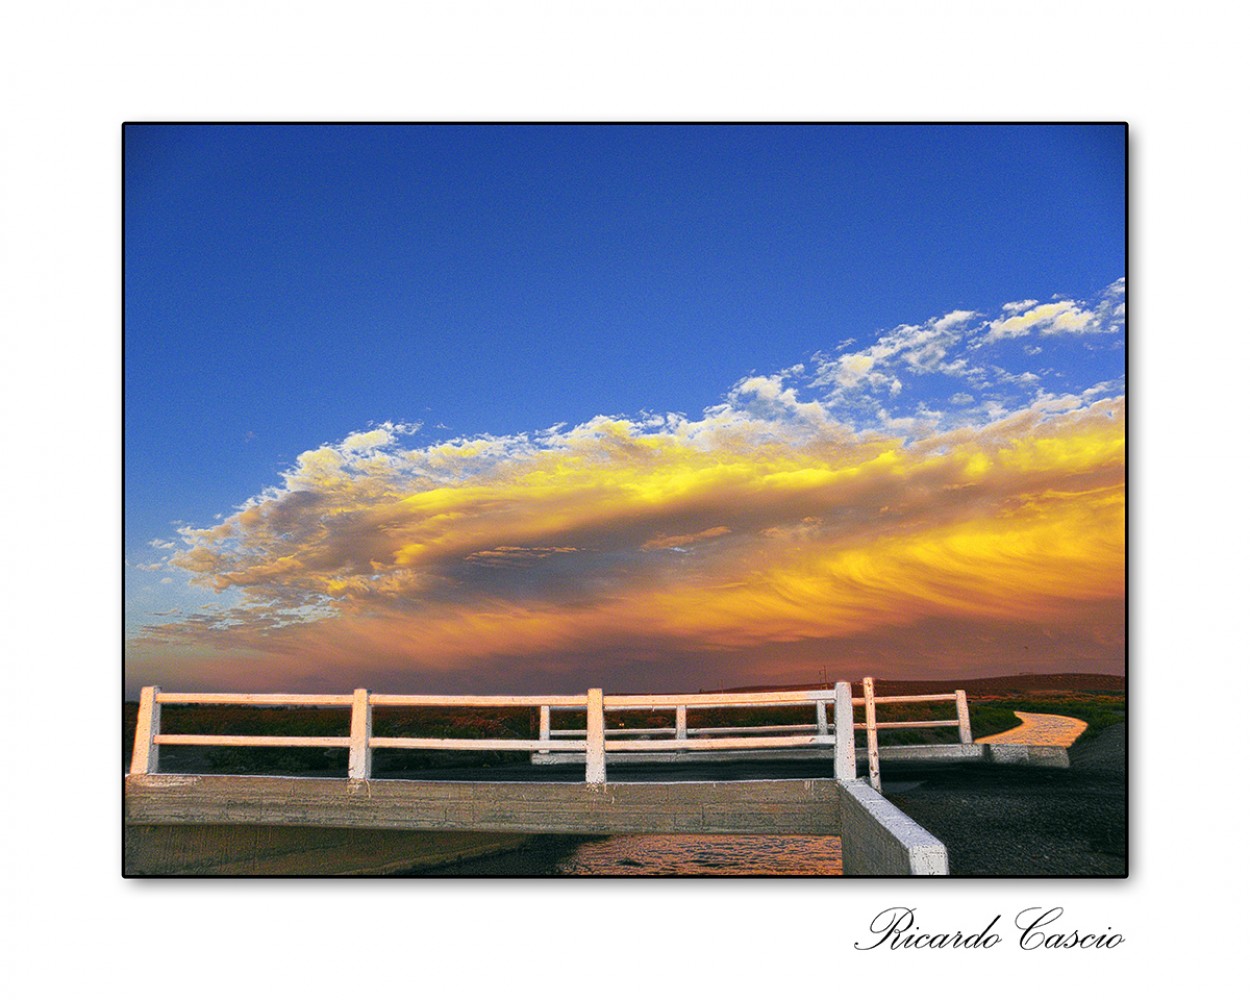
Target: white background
{"x": 72, "y": 72}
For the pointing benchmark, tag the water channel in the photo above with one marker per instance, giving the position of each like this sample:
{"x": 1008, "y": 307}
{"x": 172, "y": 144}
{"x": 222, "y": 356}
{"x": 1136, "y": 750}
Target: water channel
{"x": 657, "y": 855}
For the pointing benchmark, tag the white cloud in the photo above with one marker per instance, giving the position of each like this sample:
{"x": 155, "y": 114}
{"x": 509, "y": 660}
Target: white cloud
{"x": 1063, "y": 316}
{"x": 921, "y": 349}
{"x": 1053, "y": 317}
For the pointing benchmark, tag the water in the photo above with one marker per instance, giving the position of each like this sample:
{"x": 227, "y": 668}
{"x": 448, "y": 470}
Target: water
{"x": 659, "y": 855}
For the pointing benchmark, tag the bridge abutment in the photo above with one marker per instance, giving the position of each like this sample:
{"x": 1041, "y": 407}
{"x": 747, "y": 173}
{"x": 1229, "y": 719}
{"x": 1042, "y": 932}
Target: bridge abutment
{"x": 877, "y": 839}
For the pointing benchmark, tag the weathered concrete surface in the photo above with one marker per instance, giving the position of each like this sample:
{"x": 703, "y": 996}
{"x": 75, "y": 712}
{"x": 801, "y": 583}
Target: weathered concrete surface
{"x": 930, "y": 751}
{"x": 787, "y": 806}
{"x": 880, "y": 839}
{"x": 624, "y": 758}
{"x": 226, "y": 824}
{"x": 990, "y": 753}
{"x": 994, "y": 753}
{"x": 1009, "y": 753}
{"x": 304, "y": 851}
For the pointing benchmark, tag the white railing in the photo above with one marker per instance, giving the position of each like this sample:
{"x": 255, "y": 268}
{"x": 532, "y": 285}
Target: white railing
{"x": 594, "y": 740}
{"x": 871, "y": 726}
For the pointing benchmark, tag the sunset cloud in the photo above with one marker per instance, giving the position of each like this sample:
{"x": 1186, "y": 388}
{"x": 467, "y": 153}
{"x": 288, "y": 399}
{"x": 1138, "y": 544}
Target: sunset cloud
{"x": 767, "y": 521}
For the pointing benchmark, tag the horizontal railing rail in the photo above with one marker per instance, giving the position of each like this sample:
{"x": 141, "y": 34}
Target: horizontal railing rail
{"x": 275, "y": 700}
{"x": 692, "y": 731}
{"x": 595, "y": 740}
{"x": 729, "y": 699}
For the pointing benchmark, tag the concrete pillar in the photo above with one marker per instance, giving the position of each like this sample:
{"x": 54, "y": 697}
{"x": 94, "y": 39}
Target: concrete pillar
{"x": 145, "y": 759}
{"x": 360, "y": 756}
{"x": 822, "y": 719}
{"x": 843, "y": 732}
{"x": 596, "y": 752}
{"x": 681, "y": 722}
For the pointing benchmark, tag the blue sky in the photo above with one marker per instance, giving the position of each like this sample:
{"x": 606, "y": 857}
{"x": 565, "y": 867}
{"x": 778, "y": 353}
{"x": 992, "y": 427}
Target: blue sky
{"x": 287, "y": 287}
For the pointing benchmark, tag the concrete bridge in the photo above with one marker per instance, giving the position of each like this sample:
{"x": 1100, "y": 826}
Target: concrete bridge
{"x": 877, "y": 838}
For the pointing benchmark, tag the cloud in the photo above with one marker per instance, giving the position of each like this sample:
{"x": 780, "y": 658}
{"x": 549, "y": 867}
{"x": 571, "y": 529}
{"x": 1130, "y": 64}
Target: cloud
{"x": 787, "y": 529}
{"x": 1066, "y": 316}
{"x": 684, "y": 541}
{"x": 627, "y": 546}
{"x": 886, "y": 384}
{"x": 919, "y": 348}
{"x": 1053, "y": 317}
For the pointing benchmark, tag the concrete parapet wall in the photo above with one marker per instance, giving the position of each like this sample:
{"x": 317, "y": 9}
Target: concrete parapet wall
{"x": 795, "y": 806}
{"x": 1027, "y": 755}
{"x": 991, "y": 753}
{"x": 878, "y": 838}
{"x": 931, "y": 751}
{"x": 623, "y": 758}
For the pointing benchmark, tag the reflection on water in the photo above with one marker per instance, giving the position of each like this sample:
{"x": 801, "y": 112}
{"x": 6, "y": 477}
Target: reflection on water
{"x": 662, "y": 855}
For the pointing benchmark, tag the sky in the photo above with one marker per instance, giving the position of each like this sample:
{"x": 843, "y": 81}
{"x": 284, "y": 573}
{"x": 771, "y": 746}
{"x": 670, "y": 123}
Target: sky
{"x": 525, "y": 409}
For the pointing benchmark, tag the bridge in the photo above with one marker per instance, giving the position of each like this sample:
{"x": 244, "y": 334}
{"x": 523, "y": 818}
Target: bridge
{"x": 611, "y": 792}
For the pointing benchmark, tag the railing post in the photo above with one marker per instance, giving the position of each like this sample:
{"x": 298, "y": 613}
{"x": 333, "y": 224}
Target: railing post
{"x": 843, "y": 732}
{"x": 596, "y": 752}
{"x": 681, "y": 722}
{"x": 870, "y": 725}
{"x": 360, "y": 756}
{"x": 544, "y": 725}
{"x": 961, "y": 711}
{"x": 146, "y": 758}
{"x": 822, "y": 719}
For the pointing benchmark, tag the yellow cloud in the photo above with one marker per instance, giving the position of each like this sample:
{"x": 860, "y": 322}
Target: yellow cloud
{"x": 669, "y": 539}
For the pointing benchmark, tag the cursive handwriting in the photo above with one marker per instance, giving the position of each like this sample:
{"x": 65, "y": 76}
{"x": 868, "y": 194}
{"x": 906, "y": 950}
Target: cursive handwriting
{"x": 896, "y": 927}
{"x": 1034, "y": 936}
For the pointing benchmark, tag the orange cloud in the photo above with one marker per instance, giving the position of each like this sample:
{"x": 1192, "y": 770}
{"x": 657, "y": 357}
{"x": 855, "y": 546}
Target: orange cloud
{"x": 622, "y": 549}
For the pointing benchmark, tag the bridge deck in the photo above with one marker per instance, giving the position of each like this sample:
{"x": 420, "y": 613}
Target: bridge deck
{"x": 877, "y": 837}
